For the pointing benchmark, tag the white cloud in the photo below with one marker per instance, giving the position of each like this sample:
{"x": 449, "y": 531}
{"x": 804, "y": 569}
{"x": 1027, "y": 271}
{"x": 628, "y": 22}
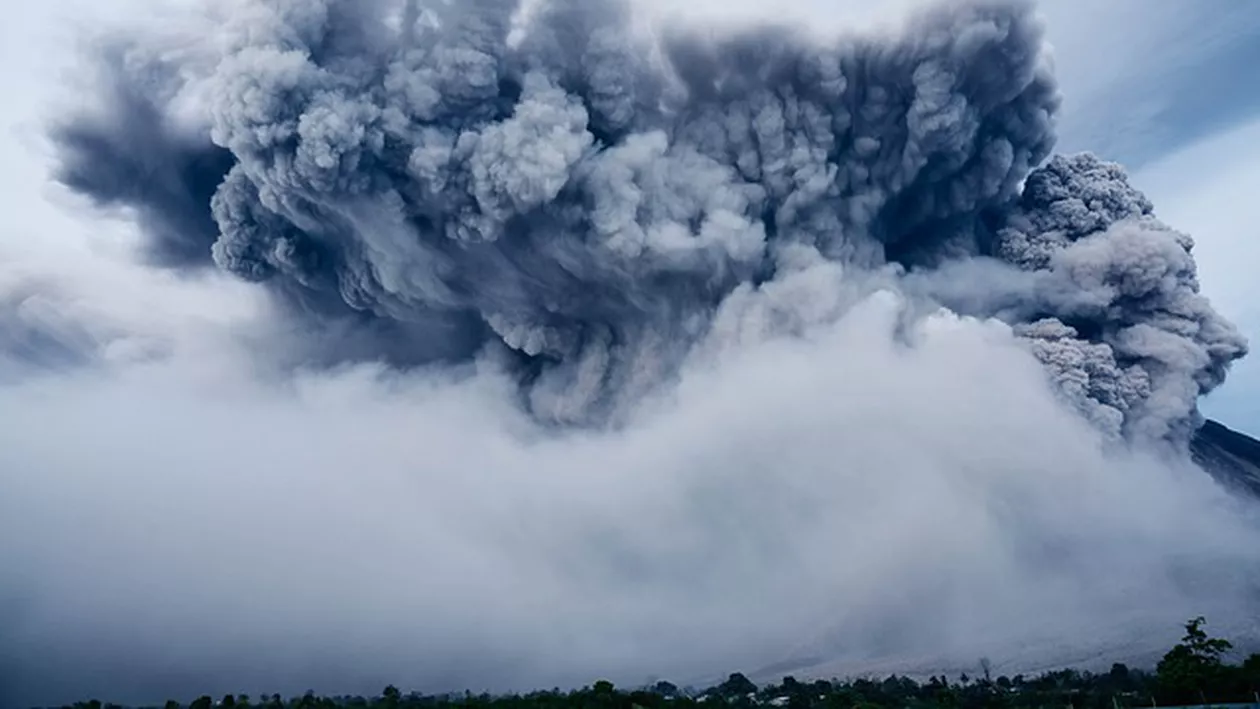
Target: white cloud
{"x": 841, "y": 491}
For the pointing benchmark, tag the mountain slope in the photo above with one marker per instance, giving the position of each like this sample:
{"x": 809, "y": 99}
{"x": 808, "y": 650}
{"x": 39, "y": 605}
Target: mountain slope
{"x": 1231, "y": 457}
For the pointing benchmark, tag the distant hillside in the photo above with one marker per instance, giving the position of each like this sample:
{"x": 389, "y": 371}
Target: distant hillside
{"x": 1231, "y": 457}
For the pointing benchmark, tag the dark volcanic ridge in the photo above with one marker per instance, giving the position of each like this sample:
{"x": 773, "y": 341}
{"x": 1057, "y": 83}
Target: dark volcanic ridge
{"x": 1231, "y": 457}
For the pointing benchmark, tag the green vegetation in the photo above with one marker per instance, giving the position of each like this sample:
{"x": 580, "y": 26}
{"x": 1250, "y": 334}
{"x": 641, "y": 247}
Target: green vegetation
{"x": 1195, "y": 671}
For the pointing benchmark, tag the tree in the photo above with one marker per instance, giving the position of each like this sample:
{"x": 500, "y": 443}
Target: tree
{"x": 1193, "y": 665}
{"x": 799, "y": 696}
{"x": 1119, "y": 678}
{"x": 737, "y": 685}
{"x": 665, "y": 689}
{"x": 1251, "y": 667}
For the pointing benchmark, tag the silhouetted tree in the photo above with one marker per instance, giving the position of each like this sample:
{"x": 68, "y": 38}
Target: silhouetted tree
{"x": 1188, "y": 670}
{"x": 665, "y": 689}
{"x": 1196, "y": 667}
{"x": 737, "y": 685}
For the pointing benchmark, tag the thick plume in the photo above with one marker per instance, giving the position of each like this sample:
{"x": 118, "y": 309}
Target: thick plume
{"x": 1126, "y": 332}
{"x": 579, "y": 195}
{"x": 585, "y": 197}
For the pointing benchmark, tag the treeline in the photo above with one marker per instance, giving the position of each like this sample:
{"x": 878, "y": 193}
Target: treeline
{"x": 1192, "y": 672}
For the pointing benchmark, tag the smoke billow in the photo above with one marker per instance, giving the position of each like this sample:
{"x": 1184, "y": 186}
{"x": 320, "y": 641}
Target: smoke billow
{"x": 601, "y": 351}
{"x": 585, "y": 197}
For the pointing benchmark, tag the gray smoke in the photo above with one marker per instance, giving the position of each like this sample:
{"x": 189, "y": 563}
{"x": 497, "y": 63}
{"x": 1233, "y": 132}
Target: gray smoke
{"x": 578, "y": 199}
{"x": 124, "y": 152}
{"x": 1130, "y": 337}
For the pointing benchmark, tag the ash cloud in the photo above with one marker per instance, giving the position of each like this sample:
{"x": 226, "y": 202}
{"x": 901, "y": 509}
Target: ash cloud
{"x": 1131, "y": 336}
{"x": 866, "y": 348}
{"x": 126, "y": 152}
{"x": 585, "y": 197}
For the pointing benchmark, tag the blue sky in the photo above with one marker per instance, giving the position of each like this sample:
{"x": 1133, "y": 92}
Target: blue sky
{"x": 1144, "y": 78}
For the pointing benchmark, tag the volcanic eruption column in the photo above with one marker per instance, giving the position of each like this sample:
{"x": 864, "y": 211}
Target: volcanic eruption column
{"x": 582, "y": 199}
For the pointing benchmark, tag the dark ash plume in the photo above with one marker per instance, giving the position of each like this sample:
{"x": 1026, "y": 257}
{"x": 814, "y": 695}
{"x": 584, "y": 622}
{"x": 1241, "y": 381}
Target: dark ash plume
{"x": 127, "y": 153}
{"x": 583, "y": 198}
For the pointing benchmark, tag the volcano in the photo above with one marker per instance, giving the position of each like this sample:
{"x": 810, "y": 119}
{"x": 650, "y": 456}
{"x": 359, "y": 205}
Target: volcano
{"x": 1231, "y": 457}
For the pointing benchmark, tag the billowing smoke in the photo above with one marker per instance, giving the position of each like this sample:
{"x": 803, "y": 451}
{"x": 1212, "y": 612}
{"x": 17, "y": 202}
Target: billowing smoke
{"x": 489, "y": 344}
{"x": 585, "y": 197}
{"x": 1127, "y": 333}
